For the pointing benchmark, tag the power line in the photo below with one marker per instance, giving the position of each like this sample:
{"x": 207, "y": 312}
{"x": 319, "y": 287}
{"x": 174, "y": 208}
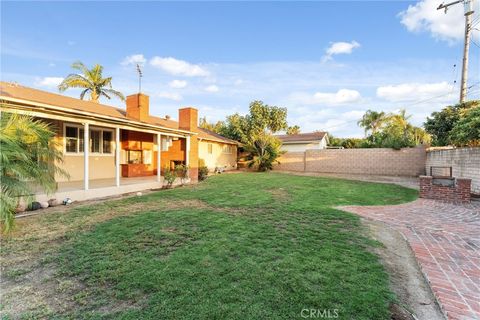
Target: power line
{"x": 405, "y": 106}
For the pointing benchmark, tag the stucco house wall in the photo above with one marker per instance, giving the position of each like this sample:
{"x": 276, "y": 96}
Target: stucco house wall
{"x": 217, "y": 158}
{"x": 299, "y": 147}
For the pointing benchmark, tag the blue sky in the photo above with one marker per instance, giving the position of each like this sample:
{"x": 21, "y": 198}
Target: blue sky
{"x": 327, "y": 62}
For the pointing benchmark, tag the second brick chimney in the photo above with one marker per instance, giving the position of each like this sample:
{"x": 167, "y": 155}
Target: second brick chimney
{"x": 188, "y": 120}
{"x": 138, "y": 107}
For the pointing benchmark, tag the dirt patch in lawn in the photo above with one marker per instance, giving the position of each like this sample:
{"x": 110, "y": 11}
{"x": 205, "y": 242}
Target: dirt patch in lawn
{"x": 279, "y": 194}
{"x": 415, "y": 299}
{"x": 30, "y": 282}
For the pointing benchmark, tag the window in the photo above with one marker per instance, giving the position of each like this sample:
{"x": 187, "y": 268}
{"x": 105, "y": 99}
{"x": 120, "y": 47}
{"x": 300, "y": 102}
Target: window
{"x": 95, "y": 141}
{"x": 100, "y": 140}
{"x": 210, "y": 148}
{"x": 71, "y": 139}
{"x": 107, "y": 141}
{"x": 134, "y": 156}
{"x": 227, "y": 148}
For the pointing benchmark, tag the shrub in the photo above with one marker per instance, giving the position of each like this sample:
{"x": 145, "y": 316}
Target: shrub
{"x": 28, "y": 154}
{"x": 169, "y": 176}
{"x": 181, "y": 171}
{"x": 202, "y": 170}
{"x": 263, "y": 151}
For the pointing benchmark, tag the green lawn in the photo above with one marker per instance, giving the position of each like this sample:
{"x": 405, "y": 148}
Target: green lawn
{"x": 238, "y": 246}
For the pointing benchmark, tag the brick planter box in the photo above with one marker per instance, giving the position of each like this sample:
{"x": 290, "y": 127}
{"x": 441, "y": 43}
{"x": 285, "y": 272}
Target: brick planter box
{"x": 449, "y": 190}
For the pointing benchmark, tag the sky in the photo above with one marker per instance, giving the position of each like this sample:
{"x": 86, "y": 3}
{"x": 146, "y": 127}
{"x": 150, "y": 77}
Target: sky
{"x": 326, "y": 62}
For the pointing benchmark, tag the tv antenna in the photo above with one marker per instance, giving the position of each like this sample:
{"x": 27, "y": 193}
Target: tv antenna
{"x": 140, "y": 75}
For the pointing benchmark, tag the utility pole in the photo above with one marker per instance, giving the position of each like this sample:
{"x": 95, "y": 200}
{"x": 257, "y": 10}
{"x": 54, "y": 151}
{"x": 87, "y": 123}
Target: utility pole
{"x": 468, "y": 9}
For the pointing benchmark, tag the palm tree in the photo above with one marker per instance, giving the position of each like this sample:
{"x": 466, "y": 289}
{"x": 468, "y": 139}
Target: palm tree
{"x": 372, "y": 121}
{"x": 401, "y": 121}
{"x": 92, "y": 81}
{"x": 29, "y": 159}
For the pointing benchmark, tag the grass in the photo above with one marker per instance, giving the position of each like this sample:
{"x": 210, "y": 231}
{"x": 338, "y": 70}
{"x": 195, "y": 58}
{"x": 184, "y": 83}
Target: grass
{"x": 249, "y": 246}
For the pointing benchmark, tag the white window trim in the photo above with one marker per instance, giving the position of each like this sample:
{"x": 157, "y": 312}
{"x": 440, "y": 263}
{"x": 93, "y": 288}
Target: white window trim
{"x": 90, "y": 153}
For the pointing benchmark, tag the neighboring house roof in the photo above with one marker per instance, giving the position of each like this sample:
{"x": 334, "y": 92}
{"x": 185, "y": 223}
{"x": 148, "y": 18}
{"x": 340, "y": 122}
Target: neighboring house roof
{"x": 213, "y": 136}
{"x": 302, "y": 137}
{"x": 11, "y": 90}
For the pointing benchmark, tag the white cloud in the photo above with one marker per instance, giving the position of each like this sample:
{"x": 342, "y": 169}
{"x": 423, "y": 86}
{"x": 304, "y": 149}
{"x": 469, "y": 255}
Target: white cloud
{"x": 424, "y": 16}
{"x": 340, "y": 48}
{"x": 342, "y": 96}
{"x": 169, "y": 95}
{"x": 178, "y": 67}
{"x": 178, "y": 84}
{"x": 413, "y": 91}
{"x": 212, "y": 88}
{"x": 49, "y": 82}
{"x": 133, "y": 60}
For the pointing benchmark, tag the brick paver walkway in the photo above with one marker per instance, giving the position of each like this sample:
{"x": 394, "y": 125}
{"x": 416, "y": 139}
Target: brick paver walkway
{"x": 445, "y": 239}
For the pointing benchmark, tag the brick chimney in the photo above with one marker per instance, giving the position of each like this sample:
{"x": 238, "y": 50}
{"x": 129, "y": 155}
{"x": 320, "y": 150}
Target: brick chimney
{"x": 138, "y": 107}
{"x": 188, "y": 120}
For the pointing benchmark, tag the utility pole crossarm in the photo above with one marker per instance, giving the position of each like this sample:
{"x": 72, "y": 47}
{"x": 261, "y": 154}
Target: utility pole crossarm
{"x": 445, "y": 6}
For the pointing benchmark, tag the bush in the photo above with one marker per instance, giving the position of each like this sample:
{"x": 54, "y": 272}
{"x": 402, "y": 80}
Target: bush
{"x": 169, "y": 176}
{"x": 202, "y": 170}
{"x": 181, "y": 171}
{"x": 263, "y": 151}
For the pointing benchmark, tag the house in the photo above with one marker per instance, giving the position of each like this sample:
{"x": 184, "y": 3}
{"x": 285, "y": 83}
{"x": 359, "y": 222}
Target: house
{"x": 303, "y": 141}
{"x": 109, "y": 150}
{"x": 216, "y": 150}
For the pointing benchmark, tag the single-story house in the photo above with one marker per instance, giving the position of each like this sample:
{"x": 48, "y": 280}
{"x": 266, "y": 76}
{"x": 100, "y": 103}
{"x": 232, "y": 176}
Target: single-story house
{"x": 109, "y": 150}
{"x": 303, "y": 141}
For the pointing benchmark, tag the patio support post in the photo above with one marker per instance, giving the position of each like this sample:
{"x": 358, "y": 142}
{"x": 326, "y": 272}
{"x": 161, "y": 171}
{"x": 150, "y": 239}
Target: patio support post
{"x": 86, "y": 149}
{"x": 159, "y": 150}
{"x": 187, "y": 151}
{"x": 117, "y": 156}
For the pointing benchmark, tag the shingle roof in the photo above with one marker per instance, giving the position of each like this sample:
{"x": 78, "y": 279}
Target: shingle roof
{"x": 12, "y": 90}
{"x": 213, "y": 136}
{"x": 20, "y": 92}
{"x": 302, "y": 137}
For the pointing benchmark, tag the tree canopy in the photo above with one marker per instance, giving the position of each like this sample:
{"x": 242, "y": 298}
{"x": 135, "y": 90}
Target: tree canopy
{"x": 442, "y": 123}
{"x": 293, "y": 130}
{"x": 91, "y": 81}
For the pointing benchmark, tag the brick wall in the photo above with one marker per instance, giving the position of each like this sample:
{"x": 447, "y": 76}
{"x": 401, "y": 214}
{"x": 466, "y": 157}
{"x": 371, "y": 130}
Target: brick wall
{"x": 458, "y": 192}
{"x": 465, "y": 163}
{"x": 375, "y": 161}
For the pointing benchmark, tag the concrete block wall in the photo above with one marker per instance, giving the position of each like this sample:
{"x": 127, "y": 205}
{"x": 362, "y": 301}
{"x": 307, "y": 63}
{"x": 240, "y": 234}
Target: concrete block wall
{"x": 375, "y": 161}
{"x": 291, "y": 161}
{"x": 465, "y": 163}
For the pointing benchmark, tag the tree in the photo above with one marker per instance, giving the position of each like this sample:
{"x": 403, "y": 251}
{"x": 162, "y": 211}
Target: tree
{"x": 264, "y": 150}
{"x": 261, "y": 118}
{"x": 466, "y": 131}
{"x": 217, "y": 127}
{"x": 293, "y": 130}
{"x": 388, "y": 131}
{"x": 91, "y": 81}
{"x": 441, "y": 123}
{"x": 29, "y": 159}
{"x": 372, "y": 121}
